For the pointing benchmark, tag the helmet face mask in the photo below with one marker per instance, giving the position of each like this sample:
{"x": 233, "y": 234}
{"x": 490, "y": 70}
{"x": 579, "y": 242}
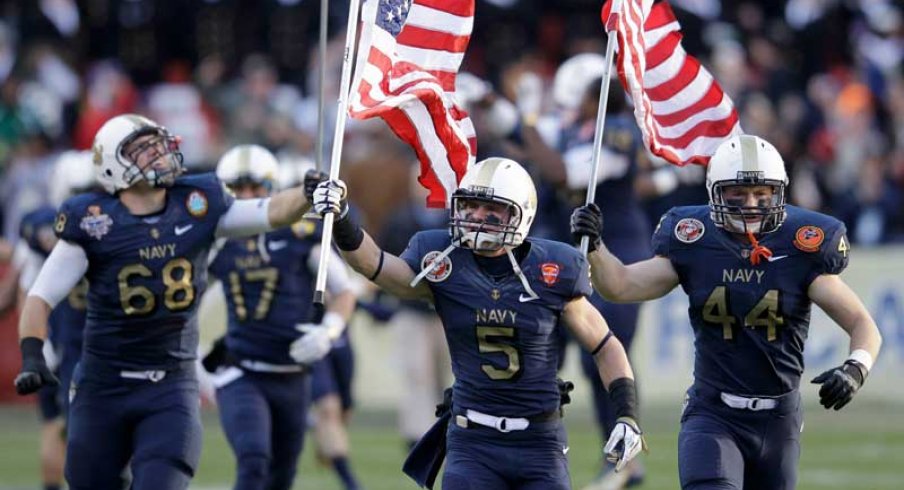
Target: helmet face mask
{"x": 746, "y": 182}
{"x": 494, "y": 206}
{"x": 144, "y": 150}
{"x": 730, "y": 209}
{"x": 483, "y": 222}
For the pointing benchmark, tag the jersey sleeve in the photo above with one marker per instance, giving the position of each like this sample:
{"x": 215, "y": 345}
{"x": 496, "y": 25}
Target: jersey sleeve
{"x": 413, "y": 252}
{"x": 582, "y": 285}
{"x": 834, "y": 253}
{"x": 662, "y": 236}
{"x": 218, "y": 195}
{"x": 66, "y": 226}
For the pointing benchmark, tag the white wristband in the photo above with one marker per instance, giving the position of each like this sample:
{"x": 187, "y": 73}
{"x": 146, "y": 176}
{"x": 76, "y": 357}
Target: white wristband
{"x": 863, "y": 357}
{"x": 334, "y": 324}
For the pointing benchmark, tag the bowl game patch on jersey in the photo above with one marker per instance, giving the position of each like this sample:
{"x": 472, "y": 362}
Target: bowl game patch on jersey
{"x": 196, "y": 202}
{"x": 549, "y": 273}
{"x": 689, "y": 230}
{"x": 808, "y": 238}
{"x": 439, "y": 273}
{"x": 96, "y": 224}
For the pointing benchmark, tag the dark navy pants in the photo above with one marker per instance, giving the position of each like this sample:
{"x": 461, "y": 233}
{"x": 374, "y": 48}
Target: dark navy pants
{"x": 68, "y": 361}
{"x": 481, "y": 458}
{"x": 333, "y": 374}
{"x": 264, "y": 418}
{"x": 720, "y": 447}
{"x": 113, "y": 420}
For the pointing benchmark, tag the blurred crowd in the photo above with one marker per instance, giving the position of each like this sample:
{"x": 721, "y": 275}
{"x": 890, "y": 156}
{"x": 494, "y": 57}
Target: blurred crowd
{"x": 823, "y": 80}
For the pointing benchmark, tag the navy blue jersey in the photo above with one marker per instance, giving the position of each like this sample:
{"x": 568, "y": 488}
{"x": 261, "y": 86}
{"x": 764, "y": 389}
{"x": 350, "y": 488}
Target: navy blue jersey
{"x": 36, "y": 228}
{"x": 67, "y": 319}
{"x": 269, "y": 287}
{"x": 750, "y": 322}
{"x": 503, "y": 345}
{"x": 146, "y": 273}
{"x": 626, "y": 225}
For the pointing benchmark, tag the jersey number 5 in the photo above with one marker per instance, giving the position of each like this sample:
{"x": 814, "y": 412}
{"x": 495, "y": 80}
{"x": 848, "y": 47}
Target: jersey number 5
{"x": 764, "y": 314}
{"x": 486, "y": 346}
{"x": 139, "y": 300}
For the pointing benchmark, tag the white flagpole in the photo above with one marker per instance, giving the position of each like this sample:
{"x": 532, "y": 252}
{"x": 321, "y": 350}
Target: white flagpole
{"x": 601, "y": 118}
{"x": 321, "y": 89}
{"x": 338, "y": 136}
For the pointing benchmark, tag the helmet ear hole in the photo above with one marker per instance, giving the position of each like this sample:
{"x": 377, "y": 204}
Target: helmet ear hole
{"x": 108, "y": 172}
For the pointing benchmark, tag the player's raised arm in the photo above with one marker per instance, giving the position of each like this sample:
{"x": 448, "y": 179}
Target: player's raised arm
{"x": 247, "y": 217}
{"x": 840, "y": 384}
{"x": 641, "y": 281}
{"x": 360, "y": 251}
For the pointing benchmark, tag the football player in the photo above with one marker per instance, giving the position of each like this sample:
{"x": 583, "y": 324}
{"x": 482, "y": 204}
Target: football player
{"x": 143, "y": 247}
{"x": 264, "y": 387}
{"x": 752, "y": 266}
{"x": 72, "y": 174}
{"x": 502, "y": 297}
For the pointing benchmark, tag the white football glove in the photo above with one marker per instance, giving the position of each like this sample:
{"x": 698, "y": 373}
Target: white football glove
{"x": 329, "y": 197}
{"x": 625, "y": 442}
{"x": 317, "y": 339}
{"x": 312, "y": 346}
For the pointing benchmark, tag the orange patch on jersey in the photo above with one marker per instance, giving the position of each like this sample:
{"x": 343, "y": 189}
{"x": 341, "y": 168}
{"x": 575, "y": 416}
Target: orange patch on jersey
{"x": 549, "y": 273}
{"x": 808, "y": 238}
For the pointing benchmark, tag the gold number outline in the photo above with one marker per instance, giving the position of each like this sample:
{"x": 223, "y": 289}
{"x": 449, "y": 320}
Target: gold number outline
{"x": 513, "y": 370}
{"x": 269, "y": 276}
{"x": 765, "y": 313}
{"x": 173, "y": 285}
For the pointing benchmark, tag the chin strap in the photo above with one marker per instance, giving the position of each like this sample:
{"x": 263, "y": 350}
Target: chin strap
{"x": 427, "y": 270}
{"x": 759, "y": 252}
{"x": 520, "y": 274}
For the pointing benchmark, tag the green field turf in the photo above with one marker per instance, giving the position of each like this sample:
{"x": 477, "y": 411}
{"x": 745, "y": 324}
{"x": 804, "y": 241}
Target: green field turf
{"x": 859, "y": 448}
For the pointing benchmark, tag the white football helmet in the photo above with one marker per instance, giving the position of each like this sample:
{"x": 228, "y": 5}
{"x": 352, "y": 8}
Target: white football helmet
{"x": 493, "y": 180}
{"x": 574, "y": 77}
{"x": 746, "y": 160}
{"x": 248, "y": 164}
{"x": 73, "y": 173}
{"x": 292, "y": 170}
{"x": 117, "y": 171}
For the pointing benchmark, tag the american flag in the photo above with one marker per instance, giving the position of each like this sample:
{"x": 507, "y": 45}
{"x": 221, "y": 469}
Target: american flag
{"x": 408, "y": 57}
{"x": 681, "y": 110}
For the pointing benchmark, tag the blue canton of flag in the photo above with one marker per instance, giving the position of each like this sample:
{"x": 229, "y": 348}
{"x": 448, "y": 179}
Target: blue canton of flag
{"x": 393, "y": 14}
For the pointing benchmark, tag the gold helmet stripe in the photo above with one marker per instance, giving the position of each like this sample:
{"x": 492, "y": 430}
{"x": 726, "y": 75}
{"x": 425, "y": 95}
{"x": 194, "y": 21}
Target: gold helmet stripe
{"x": 487, "y": 170}
{"x": 749, "y": 160}
{"x": 244, "y": 160}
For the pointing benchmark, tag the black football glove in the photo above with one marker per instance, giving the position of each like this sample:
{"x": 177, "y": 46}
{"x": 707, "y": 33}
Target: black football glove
{"x": 587, "y": 221}
{"x": 216, "y": 357}
{"x": 311, "y": 179}
{"x": 840, "y": 384}
{"x": 35, "y": 373}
